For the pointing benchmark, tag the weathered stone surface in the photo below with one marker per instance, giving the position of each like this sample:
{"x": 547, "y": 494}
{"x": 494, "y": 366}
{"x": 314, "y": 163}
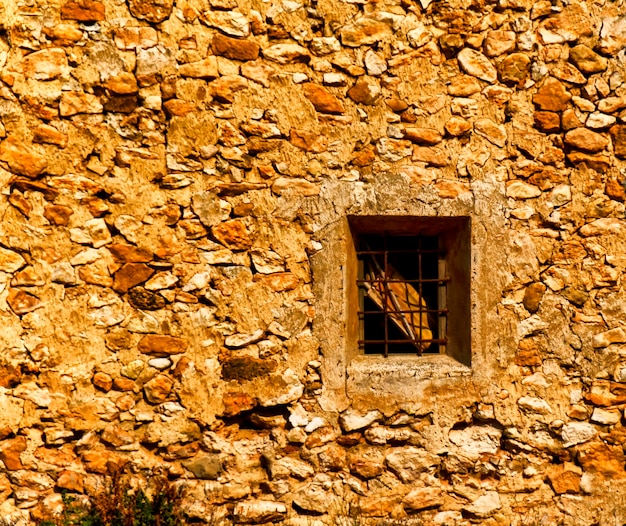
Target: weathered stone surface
{"x": 552, "y": 96}
{"x": 477, "y": 65}
{"x": 422, "y": 498}
{"x": 21, "y": 159}
{"x": 75, "y": 102}
{"x": 549, "y": 122}
{"x": 208, "y": 467}
{"x": 612, "y": 35}
{"x": 46, "y": 64}
{"x": 499, "y": 42}
{"x": 365, "y": 90}
{"x": 153, "y": 11}
{"x": 584, "y": 139}
{"x": 577, "y": 432}
{"x": 233, "y": 234}
{"x": 485, "y": 505}
{"x": 586, "y": 60}
{"x": 158, "y": 389}
{"x": 364, "y": 31}
{"x": 533, "y": 296}
{"x": 322, "y": 100}
{"x": 235, "y": 48}
{"x": 83, "y": 10}
{"x": 426, "y": 136}
{"x": 408, "y": 462}
{"x": 286, "y": 53}
{"x": 514, "y": 69}
{"x": 618, "y": 135}
{"x": 22, "y": 302}
{"x": 259, "y": 512}
{"x": 202, "y": 69}
{"x": 131, "y": 275}
{"x": 162, "y": 345}
{"x": 10, "y": 451}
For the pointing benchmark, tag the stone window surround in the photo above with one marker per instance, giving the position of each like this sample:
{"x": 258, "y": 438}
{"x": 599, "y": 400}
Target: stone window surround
{"x": 395, "y": 382}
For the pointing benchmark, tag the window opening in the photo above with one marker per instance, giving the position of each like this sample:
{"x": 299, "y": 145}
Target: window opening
{"x": 402, "y": 284}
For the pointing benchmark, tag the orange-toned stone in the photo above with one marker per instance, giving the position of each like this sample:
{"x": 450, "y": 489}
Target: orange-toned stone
{"x": 424, "y": 136}
{"x": 615, "y": 189}
{"x": 22, "y": 302}
{"x": 563, "y": 481}
{"x": 46, "y": 64}
{"x": 75, "y": 102}
{"x": 44, "y": 133}
{"x": 58, "y": 215}
{"x": 131, "y": 275}
{"x": 225, "y": 88}
{"x": 94, "y": 275}
{"x": 618, "y": 134}
{"x": 21, "y": 203}
{"x": 63, "y": 34}
{"x": 130, "y": 253}
{"x": 235, "y": 48}
{"x": 102, "y": 381}
{"x": 236, "y": 403}
{"x": 123, "y": 84}
{"x": 154, "y": 11}
{"x": 115, "y": 436}
{"x": 158, "y": 389}
{"x": 180, "y": 451}
{"x": 10, "y": 451}
{"x": 364, "y": 157}
{"x": 83, "y": 11}
{"x": 308, "y": 141}
{"x": 162, "y": 345}
{"x": 102, "y": 462}
{"x": 232, "y": 234}
{"x": 323, "y": 101}
{"x": 10, "y": 376}
{"x": 71, "y": 481}
{"x": 22, "y": 160}
{"x": 528, "y": 354}
{"x": 552, "y": 96}
{"x": 279, "y": 281}
{"x": 602, "y": 459}
{"x": 124, "y": 384}
{"x": 179, "y": 108}
{"x": 547, "y": 121}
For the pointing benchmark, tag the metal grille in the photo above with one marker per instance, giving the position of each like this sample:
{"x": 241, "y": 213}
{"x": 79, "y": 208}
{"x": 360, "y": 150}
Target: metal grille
{"x": 402, "y": 294}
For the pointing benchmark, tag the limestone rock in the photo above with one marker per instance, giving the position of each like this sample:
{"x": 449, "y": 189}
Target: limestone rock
{"x": 46, "y": 64}
{"x": 208, "y": 467}
{"x": 323, "y": 101}
{"x": 477, "y": 65}
{"x": 234, "y": 48}
{"x": 232, "y": 23}
{"x": 494, "y": 133}
{"x": 153, "y": 11}
{"x": 10, "y": 451}
{"x": 75, "y": 102}
{"x": 587, "y": 140}
{"x": 515, "y": 68}
{"x": 485, "y": 505}
{"x": 259, "y": 512}
{"x": 574, "y": 433}
{"x": 422, "y": 499}
{"x": 533, "y": 296}
{"x": 604, "y": 339}
{"x": 21, "y": 159}
{"x": 612, "y": 35}
{"x": 22, "y": 302}
{"x": 233, "y": 234}
{"x": 353, "y": 421}
{"x": 364, "y": 31}
{"x": 83, "y": 11}
{"x": 158, "y": 389}
{"x": 162, "y": 345}
{"x": 408, "y": 462}
{"x": 618, "y": 134}
{"x": 286, "y": 53}
{"x": 365, "y": 90}
{"x": 586, "y": 60}
{"x": 499, "y": 42}
{"x": 552, "y": 96}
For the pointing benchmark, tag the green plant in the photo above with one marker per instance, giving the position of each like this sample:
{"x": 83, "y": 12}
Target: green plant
{"x": 119, "y": 504}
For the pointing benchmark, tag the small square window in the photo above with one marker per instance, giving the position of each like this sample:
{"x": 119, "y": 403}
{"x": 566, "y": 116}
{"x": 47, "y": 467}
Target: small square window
{"x": 412, "y": 285}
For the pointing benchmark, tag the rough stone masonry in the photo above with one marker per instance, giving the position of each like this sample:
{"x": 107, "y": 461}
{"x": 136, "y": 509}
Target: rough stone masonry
{"x": 174, "y": 177}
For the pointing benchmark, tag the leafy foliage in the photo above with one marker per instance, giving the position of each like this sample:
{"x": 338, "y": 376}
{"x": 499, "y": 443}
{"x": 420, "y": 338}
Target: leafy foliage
{"x": 118, "y": 504}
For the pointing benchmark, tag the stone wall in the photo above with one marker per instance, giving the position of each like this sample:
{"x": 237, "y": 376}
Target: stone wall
{"x": 176, "y": 177}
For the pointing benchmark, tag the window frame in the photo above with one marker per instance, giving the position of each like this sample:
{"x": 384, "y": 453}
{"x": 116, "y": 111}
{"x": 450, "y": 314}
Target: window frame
{"x": 454, "y": 237}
